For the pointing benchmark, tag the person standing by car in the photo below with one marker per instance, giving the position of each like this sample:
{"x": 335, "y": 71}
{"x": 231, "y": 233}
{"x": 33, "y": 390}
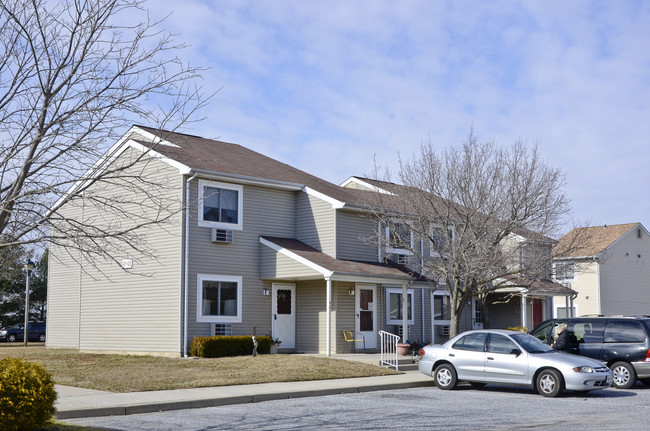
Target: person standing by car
{"x": 562, "y": 341}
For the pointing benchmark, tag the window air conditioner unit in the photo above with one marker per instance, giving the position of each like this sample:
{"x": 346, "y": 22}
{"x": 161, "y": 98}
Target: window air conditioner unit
{"x": 443, "y": 330}
{"x": 221, "y": 236}
{"x": 402, "y": 259}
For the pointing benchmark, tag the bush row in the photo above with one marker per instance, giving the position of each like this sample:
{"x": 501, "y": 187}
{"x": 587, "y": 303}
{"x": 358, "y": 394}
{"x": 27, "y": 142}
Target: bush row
{"x": 222, "y": 345}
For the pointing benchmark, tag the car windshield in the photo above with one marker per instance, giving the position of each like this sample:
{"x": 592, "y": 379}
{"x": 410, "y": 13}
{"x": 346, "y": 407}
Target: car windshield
{"x": 531, "y": 344}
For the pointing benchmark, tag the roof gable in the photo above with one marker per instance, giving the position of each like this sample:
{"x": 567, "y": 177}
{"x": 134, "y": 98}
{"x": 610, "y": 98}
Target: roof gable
{"x": 591, "y": 241}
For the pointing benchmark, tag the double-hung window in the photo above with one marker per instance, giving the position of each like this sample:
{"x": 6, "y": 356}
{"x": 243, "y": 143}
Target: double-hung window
{"x": 220, "y": 205}
{"x": 440, "y": 240}
{"x": 219, "y": 298}
{"x": 394, "y": 306}
{"x": 399, "y": 238}
{"x": 565, "y": 271}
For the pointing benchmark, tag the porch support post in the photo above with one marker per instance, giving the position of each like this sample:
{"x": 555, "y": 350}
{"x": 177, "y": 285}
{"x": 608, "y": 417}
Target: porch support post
{"x": 404, "y": 312}
{"x": 328, "y": 319}
{"x": 524, "y": 317}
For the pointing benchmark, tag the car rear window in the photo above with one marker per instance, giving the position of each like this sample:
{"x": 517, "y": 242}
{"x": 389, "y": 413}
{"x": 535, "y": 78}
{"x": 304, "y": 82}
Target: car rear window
{"x": 474, "y": 342}
{"x": 624, "y": 332}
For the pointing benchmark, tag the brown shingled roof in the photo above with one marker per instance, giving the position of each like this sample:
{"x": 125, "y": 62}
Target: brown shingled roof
{"x": 232, "y": 159}
{"x": 336, "y": 265}
{"x": 590, "y": 241}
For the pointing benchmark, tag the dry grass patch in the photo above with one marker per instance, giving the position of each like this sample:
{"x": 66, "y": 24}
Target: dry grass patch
{"x": 121, "y": 373}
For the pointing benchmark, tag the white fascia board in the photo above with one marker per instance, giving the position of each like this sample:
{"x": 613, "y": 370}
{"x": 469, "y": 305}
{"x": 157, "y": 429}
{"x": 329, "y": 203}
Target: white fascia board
{"x": 182, "y": 168}
{"x": 372, "y": 187}
{"x": 243, "y": 179}
{"x": 308, "y": 263}
{"x": 372, "y": 279}
{"x": 334, "y": 202}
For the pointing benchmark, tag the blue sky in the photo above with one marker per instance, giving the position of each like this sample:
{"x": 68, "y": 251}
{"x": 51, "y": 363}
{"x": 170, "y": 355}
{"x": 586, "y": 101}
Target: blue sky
{"x": 326, "y": 86}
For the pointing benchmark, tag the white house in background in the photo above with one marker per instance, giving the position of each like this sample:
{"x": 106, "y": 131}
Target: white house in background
{"x": 610, "y": 270}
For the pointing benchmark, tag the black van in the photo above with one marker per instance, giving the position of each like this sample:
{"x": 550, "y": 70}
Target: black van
{"x": 623, "y": 343}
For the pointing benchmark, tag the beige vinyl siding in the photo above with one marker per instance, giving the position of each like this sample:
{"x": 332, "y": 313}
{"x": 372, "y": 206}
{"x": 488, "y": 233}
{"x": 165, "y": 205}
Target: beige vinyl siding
{"x": 586, "y": 284}
{"x": 316, "y": 223}
{"x": 137, "y": 310}
{"x": 345, "y": 313}
{"x": 311, "y": 316}
{"x": 267, "y": 212}
{"x": 625, "y": 276}
{"x": 62, "y": 299}
{"x": 356, "y": 237}
{"x": 278, "y": 266}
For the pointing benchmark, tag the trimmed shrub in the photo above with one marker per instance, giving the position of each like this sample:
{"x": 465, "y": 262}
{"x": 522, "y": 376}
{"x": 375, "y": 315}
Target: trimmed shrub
{"x": 27, "y": 395}
{"x": 222, "y": 345}
{"x": 518, "y": 328}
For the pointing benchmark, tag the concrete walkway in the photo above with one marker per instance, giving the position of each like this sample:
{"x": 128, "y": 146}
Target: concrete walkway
{"x": 79, "y": 402}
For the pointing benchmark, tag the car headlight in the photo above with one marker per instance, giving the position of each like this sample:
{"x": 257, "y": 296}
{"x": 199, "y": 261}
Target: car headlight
{"x": 583, "y": 369}
{"x": 3, "y": 332}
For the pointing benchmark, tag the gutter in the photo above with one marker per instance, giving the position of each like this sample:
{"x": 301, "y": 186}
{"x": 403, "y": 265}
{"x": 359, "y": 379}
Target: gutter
{"x": 187, "y": 262}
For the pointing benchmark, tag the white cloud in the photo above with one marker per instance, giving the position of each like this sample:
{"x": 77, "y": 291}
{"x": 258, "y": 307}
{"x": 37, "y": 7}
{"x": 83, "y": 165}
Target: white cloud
{"x": 325, "y": 85}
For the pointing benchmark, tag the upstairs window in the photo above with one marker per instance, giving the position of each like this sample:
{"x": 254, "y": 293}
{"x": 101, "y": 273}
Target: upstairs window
{"x": 565, "y": 271}
{"x": 399, "y": 239}
{"x": 220, "y": 205}
{"x": 440, "y": 239}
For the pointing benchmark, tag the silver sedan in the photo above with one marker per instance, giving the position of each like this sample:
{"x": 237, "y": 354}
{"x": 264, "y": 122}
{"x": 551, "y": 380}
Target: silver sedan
{"x": 509, "y": 357}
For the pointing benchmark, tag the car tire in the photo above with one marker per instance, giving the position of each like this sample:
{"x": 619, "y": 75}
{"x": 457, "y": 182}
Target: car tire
{"x": 41, "y": 338}
{"x": 445, "y": 377}
{"x": 624, "y": 375}
{"x": 477, "y": 384}
{"x": 11, "y": 338}
{"x": 550, "y": 383}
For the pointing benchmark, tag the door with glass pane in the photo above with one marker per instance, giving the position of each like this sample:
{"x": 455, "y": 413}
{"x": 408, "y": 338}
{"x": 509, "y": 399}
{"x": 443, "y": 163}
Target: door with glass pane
{"x": 366, "y": 314}
{"x": 284, "y": 315}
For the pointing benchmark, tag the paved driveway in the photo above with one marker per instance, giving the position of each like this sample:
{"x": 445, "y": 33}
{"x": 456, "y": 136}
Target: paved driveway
{"x": 490, "y": 408}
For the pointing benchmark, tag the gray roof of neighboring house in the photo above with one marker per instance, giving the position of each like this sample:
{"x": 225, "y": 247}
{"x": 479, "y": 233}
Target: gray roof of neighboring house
{"x": 591, "y": 241}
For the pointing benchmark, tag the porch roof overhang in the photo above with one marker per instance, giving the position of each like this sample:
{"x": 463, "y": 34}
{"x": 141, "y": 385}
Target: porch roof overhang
{"x": 290, "y": 259}
{"x": 534, "y": 288}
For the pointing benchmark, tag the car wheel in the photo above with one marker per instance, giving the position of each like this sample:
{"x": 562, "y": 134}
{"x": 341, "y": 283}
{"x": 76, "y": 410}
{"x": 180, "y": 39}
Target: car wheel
{"x": 41, "y": 338}
{"x": 11, "y": 338}
{"x": 477, "y": 384}
{"x": 624, "y": 375}
{"x": 445, "y": 377}
{"x": 549, "y": 383}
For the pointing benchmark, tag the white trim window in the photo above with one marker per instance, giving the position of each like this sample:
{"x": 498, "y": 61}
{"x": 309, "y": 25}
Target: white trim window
{"x": 565, "y": 271}
{"x": 399, "y": 235}
{"x": 440, "y": 239}
{"x": 220, "y": 205}
{"x": 219, "y": 298}
{"x": 394, "y": 306}
{"x": 441, "y": 307}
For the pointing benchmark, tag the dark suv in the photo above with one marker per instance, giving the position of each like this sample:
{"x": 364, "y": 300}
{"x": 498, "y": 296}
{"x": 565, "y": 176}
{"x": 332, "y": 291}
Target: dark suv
{"x": 623, "y": 343}
{"x": 17, "y": 332}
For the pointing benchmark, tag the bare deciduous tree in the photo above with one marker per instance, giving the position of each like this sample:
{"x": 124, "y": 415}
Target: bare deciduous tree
{"x": 73, "y": 76}
{"x": 485, "y": 215}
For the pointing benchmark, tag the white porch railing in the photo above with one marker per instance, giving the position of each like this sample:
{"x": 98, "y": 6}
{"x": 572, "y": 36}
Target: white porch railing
{"x": 389, "y": 349}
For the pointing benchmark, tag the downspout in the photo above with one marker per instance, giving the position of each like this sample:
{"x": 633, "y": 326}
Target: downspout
{"x": 187, "y": 263}
{"x": 422, "y": 290}
{"x": 598, "y": 286}
{"x": 328, "y": 319}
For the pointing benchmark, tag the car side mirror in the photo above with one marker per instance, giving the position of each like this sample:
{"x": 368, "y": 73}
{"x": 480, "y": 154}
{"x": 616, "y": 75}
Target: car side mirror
{"x": 515, "y": 352}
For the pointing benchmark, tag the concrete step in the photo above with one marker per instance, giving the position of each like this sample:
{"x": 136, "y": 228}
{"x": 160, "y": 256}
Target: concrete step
{"x": 406, "y": 363}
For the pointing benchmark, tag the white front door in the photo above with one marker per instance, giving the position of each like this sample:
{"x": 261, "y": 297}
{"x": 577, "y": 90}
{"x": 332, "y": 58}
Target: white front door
{"x": 366, "y": 314}
{"x": 477, "y": 321}
{"x": 283, "y": 317}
